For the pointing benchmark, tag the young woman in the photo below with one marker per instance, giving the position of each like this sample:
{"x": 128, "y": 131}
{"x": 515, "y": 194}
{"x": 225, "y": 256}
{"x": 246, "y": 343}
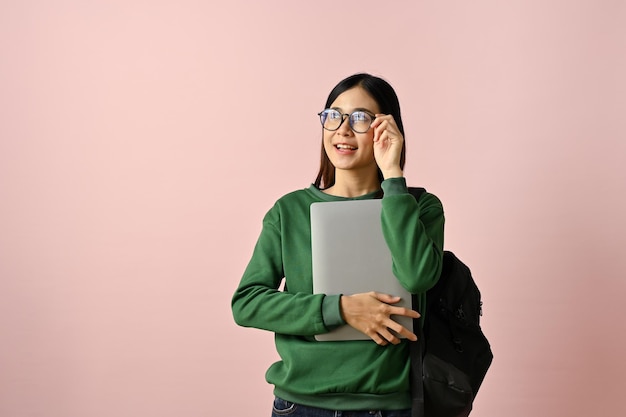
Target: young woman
{"x": 363, "y": 154}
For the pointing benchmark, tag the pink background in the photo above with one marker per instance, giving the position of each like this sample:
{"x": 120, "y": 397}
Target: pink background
{"x": 141, "y": 142}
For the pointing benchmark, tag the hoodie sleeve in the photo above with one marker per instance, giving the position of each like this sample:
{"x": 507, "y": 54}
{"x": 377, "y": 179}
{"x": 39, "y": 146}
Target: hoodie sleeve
{"x": 258, "y": 303}
{"x": 413, "y": 231}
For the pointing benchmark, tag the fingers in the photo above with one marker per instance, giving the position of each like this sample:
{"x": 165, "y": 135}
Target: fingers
{"x": 381, "y": 132}
{"x": 400, "y": 331}
{"x": 381, "y": 118}
{"x": 392, "y": 334}
{"x": 371, "y": 313}
{"x": 388, "y": 145}
{"x": 392, "y": 325}
{"x": 388, "y": 330}
{"x": 393, "y": 299}
{"x": 386, "y": 298}
{"x": 385, "y": 128}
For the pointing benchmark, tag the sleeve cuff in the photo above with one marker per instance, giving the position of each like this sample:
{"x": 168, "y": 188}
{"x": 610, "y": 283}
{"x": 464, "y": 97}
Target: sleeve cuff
{"x": 331, "y": 312}
{"x": 394, "y": 186}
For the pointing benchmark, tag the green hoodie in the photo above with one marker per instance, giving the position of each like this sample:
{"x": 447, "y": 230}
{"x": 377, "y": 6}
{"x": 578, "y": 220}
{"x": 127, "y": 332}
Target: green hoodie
{"x": 346, "y": 375}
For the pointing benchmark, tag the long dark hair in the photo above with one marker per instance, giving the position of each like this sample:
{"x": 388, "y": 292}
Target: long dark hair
{"x": 384, "y": 95}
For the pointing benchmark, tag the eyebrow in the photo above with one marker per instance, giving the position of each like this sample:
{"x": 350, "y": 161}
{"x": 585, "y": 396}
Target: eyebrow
{"x": 357, "y": 109}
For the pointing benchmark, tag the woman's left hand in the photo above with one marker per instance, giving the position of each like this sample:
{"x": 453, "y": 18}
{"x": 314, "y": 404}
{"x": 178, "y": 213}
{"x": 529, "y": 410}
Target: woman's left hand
{"x": 387, "y": 145}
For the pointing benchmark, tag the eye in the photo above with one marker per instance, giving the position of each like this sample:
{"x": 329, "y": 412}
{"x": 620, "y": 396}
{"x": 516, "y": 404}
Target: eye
{"x": 360, "y": 116}
{"x": 333, "y": 114}
{"x": 331, "y": 119}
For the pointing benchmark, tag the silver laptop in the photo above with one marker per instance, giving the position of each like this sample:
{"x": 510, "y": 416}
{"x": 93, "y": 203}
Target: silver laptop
{"x": 350, "y": 256}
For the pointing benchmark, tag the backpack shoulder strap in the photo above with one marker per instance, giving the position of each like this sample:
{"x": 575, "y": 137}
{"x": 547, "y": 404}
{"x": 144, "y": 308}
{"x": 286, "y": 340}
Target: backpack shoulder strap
{"x": 417, "y": 348}
{"x": 417, "y": 192}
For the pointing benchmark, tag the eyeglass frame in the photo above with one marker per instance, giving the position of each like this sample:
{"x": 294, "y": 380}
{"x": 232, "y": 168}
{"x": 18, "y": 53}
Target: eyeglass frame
{"x": 343, "y": 119}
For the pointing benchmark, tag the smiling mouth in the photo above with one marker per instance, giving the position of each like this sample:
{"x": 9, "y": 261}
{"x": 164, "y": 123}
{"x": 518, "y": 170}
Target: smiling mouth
{"x": 344, "y": 146}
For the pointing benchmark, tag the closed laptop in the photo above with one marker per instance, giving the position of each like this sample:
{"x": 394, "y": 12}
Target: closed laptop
{"x": 350, "y": 256}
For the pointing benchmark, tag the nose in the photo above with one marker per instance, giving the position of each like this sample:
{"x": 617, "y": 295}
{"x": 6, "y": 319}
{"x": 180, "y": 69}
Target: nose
{"x": 345, "y": 129}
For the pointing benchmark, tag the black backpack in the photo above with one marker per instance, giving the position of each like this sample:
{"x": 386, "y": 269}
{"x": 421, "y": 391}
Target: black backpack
{"x": 452, "y": 356}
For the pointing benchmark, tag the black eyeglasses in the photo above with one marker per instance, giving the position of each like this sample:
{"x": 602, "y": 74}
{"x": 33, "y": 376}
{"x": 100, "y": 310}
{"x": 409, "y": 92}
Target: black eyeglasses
{"x": 359, "y": 120}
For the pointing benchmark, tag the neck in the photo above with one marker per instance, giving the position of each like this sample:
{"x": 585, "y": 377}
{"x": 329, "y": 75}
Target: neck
{"x": 352, "y": 184}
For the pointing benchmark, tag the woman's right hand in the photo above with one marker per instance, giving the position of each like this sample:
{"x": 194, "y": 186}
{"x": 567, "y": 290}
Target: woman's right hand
{"x": 371, "y": 312}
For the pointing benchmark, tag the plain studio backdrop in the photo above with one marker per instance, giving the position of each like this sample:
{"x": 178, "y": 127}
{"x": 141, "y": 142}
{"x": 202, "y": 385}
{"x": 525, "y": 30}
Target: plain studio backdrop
{"x": 141, "y": 143}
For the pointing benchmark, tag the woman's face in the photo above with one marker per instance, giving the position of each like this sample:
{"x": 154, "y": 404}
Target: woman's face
{"x": 346, "y": 149}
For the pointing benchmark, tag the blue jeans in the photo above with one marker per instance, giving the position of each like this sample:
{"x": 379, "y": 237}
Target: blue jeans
{"x": 286, "y": 408}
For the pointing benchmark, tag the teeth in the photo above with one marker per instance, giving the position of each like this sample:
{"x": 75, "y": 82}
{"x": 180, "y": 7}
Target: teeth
{"x": 342, "y": 146}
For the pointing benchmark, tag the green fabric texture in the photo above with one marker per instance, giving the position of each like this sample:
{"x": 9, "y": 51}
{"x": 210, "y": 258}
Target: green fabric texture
{"x": 347, "y": 375}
